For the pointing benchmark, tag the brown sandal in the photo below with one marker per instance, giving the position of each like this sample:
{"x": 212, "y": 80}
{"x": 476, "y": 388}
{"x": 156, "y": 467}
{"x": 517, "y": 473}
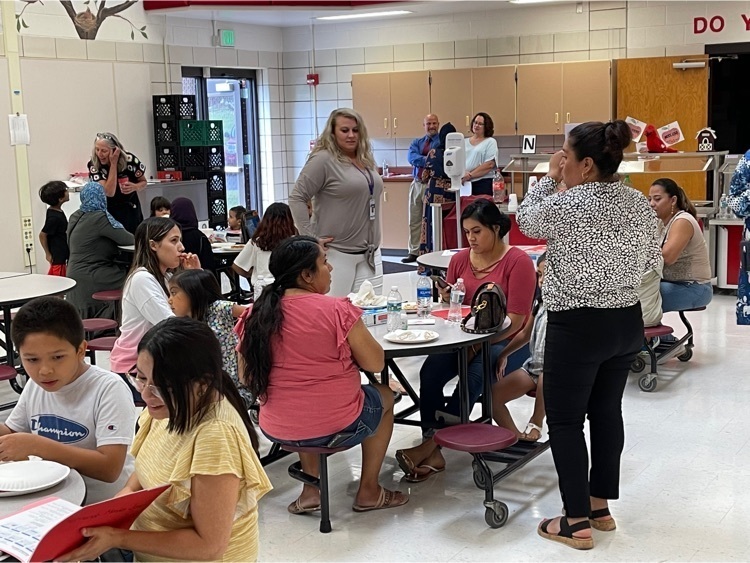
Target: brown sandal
{"x": 608, "y": 525}
{"x": 565, "y": 536}
{"x": 387, "y": 499}
{"x": 297, "y": 508}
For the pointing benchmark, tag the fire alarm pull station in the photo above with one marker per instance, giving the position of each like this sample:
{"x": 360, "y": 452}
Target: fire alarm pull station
{"x": 313, "y": 79}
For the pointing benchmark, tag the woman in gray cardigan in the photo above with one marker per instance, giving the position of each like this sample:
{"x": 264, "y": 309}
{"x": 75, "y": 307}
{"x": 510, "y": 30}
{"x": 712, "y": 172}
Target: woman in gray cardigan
{"x": 93, "y": 238}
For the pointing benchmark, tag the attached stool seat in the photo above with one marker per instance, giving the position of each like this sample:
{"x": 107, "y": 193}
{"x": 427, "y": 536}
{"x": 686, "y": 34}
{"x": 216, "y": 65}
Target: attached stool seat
{"x": 9, "y": 374}
{"x": 108, "y": 295}
{"x": 103, "y": 344}
{"x": 478, "y": 439}
{"x": 321, "y": 483}
{"x": 91, "y": 326}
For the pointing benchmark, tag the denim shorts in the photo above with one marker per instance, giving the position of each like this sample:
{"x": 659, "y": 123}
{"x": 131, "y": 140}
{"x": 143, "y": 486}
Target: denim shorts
{"x": 363, "y": 426}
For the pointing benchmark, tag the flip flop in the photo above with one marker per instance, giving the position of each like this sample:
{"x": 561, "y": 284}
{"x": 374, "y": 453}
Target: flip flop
{"x": 387, "y": 499}
{"x": 415, "y": 477}
{"x": 406, "y": 464}
{"x": 297, "y": 508}
{"x": 526, "y": 434}
{"x": 396, "y": 386}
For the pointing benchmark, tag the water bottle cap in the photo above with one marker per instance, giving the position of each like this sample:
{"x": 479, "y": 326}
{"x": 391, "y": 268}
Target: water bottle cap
{"x": 394, "y": 288}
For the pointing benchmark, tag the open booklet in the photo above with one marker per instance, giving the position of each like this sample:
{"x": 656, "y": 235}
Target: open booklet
{"x": 51, "y": 527}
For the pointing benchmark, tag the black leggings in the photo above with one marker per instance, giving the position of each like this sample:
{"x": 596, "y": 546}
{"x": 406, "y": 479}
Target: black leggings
{"x": 481, "y": 187}
{"x": 587, "y": 358}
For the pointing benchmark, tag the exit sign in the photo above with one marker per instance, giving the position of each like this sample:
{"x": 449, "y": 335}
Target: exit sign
{"x": 226, "y": 38}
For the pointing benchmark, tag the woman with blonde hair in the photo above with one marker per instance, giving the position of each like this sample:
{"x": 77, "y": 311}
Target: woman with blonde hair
{"x": 122, "y": 186}
{"x": 341, "y": 181}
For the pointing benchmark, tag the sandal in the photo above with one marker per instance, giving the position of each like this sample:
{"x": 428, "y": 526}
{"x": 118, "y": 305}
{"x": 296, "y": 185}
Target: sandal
{"x": 415, "y": 477}
{"x": 526, "y": 434}
{"x": 565, "y": 536}
{"x": 387, "y": 499}
{"x": 608, "y": 525}
{"x": 406, "y": 464}
{"x": 297, "y": 508}
{"x": 396, "y": 386}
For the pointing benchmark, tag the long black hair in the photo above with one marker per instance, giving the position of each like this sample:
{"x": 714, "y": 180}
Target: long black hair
{"x": 201, "y": 288}
{"x": 151, "y": 229}
{"x": 288, "y": 260}
{"x": 186, "y": 352}
{"x": 486, "y": 213}
{"x": 672, "y": 189}
{"x": 604, "y": 143}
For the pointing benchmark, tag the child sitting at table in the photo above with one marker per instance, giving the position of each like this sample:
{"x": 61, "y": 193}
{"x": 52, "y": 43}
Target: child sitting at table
{"x": 160, "y": 207}
{"x": 54, "y": 234}
{"x": 69, "y": 412}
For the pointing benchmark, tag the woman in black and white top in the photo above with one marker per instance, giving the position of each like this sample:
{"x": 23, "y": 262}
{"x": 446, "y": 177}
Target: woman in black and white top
{"x": 601, "y": 238}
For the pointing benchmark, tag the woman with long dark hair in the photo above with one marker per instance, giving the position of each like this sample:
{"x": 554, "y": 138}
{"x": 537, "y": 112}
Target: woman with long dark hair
{"x": 302, "y": 353}
{"x": 277, "y": 224}
{"x": 183, "y": 213}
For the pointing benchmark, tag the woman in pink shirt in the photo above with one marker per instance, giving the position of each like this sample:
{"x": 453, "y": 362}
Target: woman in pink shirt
{"x": 302, "y": 353}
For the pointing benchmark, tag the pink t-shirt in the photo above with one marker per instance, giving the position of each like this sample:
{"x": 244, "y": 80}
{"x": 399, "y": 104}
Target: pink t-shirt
{"x": 314, "y": 388}
{"x": 515, "y": 274}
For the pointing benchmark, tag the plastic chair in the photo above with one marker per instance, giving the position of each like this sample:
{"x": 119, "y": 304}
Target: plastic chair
{"x": 321, "y": 483}
{"x": 479, "y": 439}
{"x": 103, "y": 344}
{"x": 91, "y": 326}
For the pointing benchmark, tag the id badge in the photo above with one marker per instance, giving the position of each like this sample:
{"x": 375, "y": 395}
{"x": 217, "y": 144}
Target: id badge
{"x": 372, "y": 208}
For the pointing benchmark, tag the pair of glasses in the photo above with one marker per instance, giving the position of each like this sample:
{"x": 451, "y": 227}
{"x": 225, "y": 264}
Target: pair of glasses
{"x": 104, "y": 136}
{"x": 140, "y": 386}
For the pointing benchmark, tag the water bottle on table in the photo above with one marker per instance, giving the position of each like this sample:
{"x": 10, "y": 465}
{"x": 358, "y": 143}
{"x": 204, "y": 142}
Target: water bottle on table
{"x": 458, "y": 292}
{"x": 394, "y": 309}
{"x": 724, "y": 212}
{"x": 424, "y": 296}
{"x": 498, "y": 187}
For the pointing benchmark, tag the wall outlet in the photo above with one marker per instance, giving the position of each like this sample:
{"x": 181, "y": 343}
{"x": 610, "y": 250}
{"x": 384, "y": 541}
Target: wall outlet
{"x": 26, "y": 223}
{"x": 29, "y": 253}
{"x": 28, "y": 236}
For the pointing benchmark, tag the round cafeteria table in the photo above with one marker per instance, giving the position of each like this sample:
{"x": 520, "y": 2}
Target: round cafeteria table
{"x": 440, "y": 259}
{"x": 72, "y": 489}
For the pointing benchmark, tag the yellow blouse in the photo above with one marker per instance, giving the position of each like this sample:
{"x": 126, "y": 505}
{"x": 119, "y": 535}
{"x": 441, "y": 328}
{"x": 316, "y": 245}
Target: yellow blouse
{"x": 217, "y": 446}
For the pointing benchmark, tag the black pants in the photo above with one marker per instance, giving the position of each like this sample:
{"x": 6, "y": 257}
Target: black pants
{"x": 482, "y": 187}
{"x": 587, "y": 358}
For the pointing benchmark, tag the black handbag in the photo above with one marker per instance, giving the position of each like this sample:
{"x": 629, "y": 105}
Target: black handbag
{"x": 488, "y": 310}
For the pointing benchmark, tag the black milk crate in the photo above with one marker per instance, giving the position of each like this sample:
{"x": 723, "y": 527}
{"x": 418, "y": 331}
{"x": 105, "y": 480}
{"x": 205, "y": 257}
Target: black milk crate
{"x": 166, "y": 132}
{"x": 213, "y": 133}
{"x": 217, "y": 210}
{"x": 193, "y": 173}
{"x": 176, "y": 106}
{"x": 216, "y": 182}
{"x": 168, "y": 158}
{"x": 193, "y": 157}
{"x": 214, "y": 157}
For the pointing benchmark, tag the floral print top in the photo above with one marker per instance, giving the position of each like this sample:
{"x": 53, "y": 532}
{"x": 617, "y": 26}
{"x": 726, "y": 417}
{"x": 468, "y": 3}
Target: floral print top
{"x": 221, "y": 321}
{"x": 601, "y": 238}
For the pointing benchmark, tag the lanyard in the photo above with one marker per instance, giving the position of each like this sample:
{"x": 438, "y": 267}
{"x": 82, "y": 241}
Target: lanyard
{"x": 368, "y": 177}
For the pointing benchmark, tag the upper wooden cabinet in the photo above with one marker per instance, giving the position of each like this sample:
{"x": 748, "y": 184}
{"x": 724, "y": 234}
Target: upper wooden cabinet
{"x": 493, "y": 91}
{"x": 392, "y": 104}
{"x": 553, "y": 94}
{"x": 450, "y": 97}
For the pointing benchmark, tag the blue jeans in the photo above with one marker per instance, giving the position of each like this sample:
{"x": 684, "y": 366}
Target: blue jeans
{"x": 439, "y": 369}
{"x": 681, "y": 296}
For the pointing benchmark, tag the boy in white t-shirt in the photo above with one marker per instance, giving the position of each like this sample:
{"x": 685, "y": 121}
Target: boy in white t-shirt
{"x": 70, "y": 412}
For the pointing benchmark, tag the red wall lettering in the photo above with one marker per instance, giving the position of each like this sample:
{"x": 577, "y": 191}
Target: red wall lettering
{"x": 716, "y": 24}
{"x": 747, "y": 22}
{"x": 699, "y": 25}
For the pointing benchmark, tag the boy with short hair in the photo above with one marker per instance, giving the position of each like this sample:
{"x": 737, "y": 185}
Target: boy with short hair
{"x": 69, "y": 412}
{"x": 54, "y": 236}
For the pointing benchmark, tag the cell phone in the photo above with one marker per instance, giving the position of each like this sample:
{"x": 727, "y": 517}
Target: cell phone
{"x": 440, "y": 280}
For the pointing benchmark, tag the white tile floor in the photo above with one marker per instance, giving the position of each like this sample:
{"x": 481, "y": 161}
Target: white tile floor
{"x": 685, "y": 480}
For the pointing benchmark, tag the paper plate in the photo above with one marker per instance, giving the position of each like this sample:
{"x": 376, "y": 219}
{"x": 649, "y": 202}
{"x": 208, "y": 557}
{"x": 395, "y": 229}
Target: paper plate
{"x": 23, "y": 477}
{"x": 411, "y": 336}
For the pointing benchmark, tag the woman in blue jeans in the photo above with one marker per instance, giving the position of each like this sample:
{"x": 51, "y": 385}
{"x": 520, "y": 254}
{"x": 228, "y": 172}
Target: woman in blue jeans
{"x": 488, "y": 258}
{"x": 686, "y": 281}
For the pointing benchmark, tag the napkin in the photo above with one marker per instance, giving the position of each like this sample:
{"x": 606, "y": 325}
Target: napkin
{"x": 366, "y": 297}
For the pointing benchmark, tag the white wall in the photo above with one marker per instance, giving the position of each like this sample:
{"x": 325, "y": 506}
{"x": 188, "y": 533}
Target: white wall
{"x": 11, "y": 255}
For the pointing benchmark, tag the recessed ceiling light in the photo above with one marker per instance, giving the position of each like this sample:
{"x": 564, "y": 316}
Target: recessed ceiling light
{"x": 367, "y": 15}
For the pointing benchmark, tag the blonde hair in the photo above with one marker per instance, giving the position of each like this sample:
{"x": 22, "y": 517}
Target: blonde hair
{"x": 113, "y": 143}
{"x": 327, "y": 139}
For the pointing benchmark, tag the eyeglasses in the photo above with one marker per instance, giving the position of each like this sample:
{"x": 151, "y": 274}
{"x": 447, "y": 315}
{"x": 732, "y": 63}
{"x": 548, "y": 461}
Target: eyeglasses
{"x": 140, "y": 386}
{"x": 105, "y": 136}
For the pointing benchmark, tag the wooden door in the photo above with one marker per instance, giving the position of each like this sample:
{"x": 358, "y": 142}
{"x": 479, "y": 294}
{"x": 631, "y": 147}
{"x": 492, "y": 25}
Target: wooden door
{"x": 539, "y": 96}
{"x": 372, "y": 99}
{"x": 587, "y": 91}
{"x": 494, "y": 92}
{"x": 450, "y": 97}
{"x": 394, "y": 215}
{"x": 410, "y": 103}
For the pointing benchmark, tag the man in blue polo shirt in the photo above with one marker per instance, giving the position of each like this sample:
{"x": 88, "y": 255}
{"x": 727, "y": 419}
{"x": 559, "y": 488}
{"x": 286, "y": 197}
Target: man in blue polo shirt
{"x": 418, "y": 150}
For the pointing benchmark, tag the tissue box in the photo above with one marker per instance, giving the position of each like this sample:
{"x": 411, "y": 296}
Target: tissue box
{"x": 372, "y": 317}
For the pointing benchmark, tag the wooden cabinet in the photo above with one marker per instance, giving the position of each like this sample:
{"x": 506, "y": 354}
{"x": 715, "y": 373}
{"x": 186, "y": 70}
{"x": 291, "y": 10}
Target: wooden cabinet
{"x": 493, "y": 91}
{"x": 450, "y": 97}
{"x": 553, "y": 94}
{"x": 392, "y": 104}
{"x": 394, "y": 215}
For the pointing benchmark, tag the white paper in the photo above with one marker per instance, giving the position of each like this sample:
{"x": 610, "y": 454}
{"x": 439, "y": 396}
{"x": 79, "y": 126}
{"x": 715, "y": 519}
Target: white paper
{"x": 671, "y": 134}
{"x": 413, "y": 322}
{"x": 19, "y": 129}
{"x": 448, "y": 252}
{"x": 636, "y": 128}
{"x": 465, "y": 189}
{"x": 22, "y": 532}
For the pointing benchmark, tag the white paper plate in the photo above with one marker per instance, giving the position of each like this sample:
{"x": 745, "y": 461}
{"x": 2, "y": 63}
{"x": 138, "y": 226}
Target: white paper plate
{"x": 23, "y": 477}
{"x": 411, "y": 336}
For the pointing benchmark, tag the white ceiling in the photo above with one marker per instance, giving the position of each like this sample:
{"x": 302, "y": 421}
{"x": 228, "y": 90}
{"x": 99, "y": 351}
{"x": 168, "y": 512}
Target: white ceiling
{"x": 292, "y": 17}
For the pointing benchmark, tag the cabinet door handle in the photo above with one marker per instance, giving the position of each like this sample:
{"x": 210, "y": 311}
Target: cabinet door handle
{"x": 385, "y": 195}
{"x": 557, "y": 118}
{"x": 395, "y": 122}
{"x": 567, "y": 117}
{"x": 385, "y": 123}
{"x": 467, "y": 121}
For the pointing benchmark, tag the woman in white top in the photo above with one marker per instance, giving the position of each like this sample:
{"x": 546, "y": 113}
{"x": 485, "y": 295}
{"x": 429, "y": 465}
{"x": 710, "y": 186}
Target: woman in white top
{"x": 481, "y": 152}
{"x": 686, "y": 280}
{"x": 277, "y": 224}
{"x": 145, "y": 298}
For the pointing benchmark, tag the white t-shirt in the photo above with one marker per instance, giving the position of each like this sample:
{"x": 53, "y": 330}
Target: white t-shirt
{"x": 144, "y": 304}
{"x": 94, "y": 410}
{"x": 255, "y": 258}
{"x": 476, "y": 155}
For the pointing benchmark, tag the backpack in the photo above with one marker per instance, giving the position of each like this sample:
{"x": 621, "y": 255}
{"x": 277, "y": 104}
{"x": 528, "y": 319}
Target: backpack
{"x": 488, "y": 310}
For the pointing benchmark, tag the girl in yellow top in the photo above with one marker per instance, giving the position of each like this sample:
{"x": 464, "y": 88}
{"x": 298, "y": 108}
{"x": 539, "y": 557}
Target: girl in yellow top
{"x": 195, "y": 435}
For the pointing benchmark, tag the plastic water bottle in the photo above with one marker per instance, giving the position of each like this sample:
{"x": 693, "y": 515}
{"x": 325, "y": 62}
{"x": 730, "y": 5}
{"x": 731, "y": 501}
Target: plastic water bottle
{"x": 394, "y": 309}
{"x": 724, "y": 207}
{"x": 498, "y": 187}
{"x": 385, "y": 169}
{"x": 424, "y": 296}
{"x": 260, "y": 283}
{"x": 457, "y": 298}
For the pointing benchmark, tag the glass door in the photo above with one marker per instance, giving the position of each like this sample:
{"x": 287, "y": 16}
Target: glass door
{"x": 224, "y": 105}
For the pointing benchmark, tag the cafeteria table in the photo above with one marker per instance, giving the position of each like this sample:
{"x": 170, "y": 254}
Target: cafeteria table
{"x": 439, "y": 260}
{"x": 72, "y": 489}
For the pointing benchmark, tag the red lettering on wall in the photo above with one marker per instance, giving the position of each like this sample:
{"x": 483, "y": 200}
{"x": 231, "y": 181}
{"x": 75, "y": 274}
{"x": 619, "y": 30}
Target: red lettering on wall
{"x": 699, "y": 25}
{"x": 747, "y": 22}
{"x": 716, "y": 24}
